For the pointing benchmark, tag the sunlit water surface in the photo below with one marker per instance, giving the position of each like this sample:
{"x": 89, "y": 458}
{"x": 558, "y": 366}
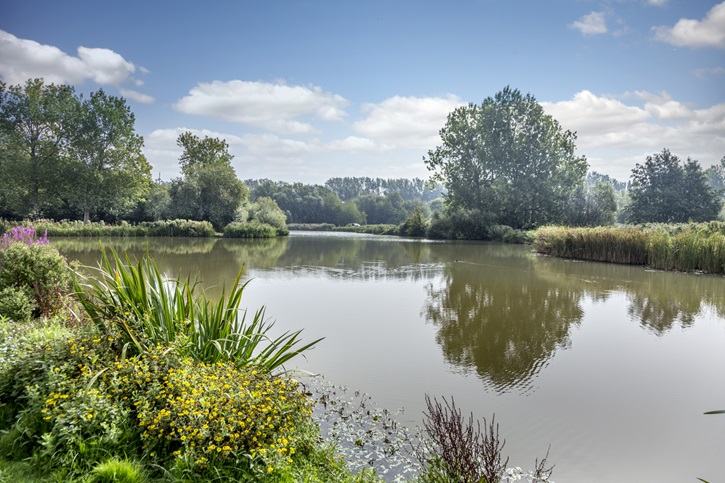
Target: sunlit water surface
{"x": 610, "y": 366}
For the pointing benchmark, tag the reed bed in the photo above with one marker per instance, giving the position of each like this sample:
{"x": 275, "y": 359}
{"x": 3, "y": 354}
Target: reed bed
{"x": 692, "y": 247}
{"x": 176, "y": 228}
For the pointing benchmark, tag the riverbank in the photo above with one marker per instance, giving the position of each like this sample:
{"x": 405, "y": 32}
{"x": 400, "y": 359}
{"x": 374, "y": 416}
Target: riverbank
{"x": 162, "y": 228}
{"x": 692, "y": 247}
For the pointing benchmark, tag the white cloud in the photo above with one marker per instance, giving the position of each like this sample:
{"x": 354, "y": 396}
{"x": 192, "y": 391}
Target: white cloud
{"x": 407, "y": 122}
{"x": 657, "y": 3}
{"x": 275, "y": 107}
{"x": 591, "y": 24}
{"x": 615, "y": 135}
{"x": 707, "y": 72}
{"x": 23, "y": 59}
{"x": 708, "y": 32}
{"x": 136, "y": 96}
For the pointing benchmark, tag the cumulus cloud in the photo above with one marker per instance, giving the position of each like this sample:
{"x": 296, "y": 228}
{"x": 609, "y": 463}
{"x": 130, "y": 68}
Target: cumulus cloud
{"x": 23, "y": 59}
{"x": 708, "y": 32}
{"x": 612, "y": 133}
{"x": 591, "y": 24}
{"x": 407, "y": 122}
{"x": 275, "y": 107}
{"x": 657, "y": 3}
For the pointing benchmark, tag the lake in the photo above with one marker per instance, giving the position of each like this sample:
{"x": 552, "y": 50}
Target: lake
{"x": 610, "y": 366}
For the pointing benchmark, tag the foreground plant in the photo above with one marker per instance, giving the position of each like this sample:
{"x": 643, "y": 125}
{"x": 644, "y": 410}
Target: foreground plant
{"x": 151, "y": 309}
{"x": 459, "y": 451}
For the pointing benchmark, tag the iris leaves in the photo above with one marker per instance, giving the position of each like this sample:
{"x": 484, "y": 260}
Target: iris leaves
{"x": 150, "y": 309}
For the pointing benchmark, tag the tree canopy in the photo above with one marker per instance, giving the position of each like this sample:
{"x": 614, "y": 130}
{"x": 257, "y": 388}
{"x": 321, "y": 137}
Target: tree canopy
{"x": 65, "y": 156}
{"x": 506, "y": 157}
{"x": 666, "y": 190}
{"x": 209, "y": 188}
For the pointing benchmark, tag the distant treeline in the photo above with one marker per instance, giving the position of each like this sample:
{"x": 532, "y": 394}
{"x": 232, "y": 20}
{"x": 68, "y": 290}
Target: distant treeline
{"x": 343, "y": 201}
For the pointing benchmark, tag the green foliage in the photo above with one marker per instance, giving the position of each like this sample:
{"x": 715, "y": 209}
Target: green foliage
{"x": 592, "y": 205}
{"x": 689, "y": 247}
{"x": 177, "y": 228}
{"x": 462, "y": 224}
{"x": 509, "y": 158}
{"x": 415, "y": 225}
{"x": 79, "y": 401}
{"x": 16, "y": 304}
{"x": 149, "y": 309}
{"x": 264, "y": 210}
{"x": 209, "y": 189}
{"x": 381, "y": 229}
{"x": 253, "y": 229}
{"x": 311, "y": 226}
{"x": 67, "y": 156}
{"x": 664, "y": 190}
{"x": 115, "y": 470}
{"x": 303, "y": 203}
{"x": 39, "y": 272}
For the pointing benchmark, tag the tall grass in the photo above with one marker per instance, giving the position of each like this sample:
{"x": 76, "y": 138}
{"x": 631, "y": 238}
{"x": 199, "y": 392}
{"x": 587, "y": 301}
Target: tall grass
{"x": 150, "y": 309}
{"x": 178, "y": 228}
{"x": 252, "y": 229}
{"x": 686, "y": 247}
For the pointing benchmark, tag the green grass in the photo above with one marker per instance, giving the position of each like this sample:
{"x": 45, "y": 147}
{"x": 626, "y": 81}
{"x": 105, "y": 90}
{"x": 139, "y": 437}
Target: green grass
{"x": 381, "y": 229}
{"x": 185, "y": 228}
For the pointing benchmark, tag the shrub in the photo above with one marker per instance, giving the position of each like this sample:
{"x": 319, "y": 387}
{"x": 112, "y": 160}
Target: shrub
{"x": 16, "y": 304}
{"x": 461, "y": 224}
{"x": 252, "y": 229}
{"x": 39, "y": 271}
{"x": 415, "y": 225}
{"x": 73, "y": 402}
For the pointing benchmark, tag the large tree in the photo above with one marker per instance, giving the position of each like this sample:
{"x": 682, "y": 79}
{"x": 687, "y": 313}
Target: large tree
{"x": 62, "y": 155}
{"x": 35, "y": 137}
{"x": 666, "y": 190}
{"x": 508, "y": 158}
{"x": 108, "y": 167}
{"x": 209, "y": 189}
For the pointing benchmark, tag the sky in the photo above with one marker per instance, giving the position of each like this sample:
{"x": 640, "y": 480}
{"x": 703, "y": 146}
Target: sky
{"x": 309, "y": 90}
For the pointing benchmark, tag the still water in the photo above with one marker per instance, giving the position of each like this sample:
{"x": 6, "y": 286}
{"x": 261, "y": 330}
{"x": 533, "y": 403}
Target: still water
{"x": 610, "y": 366}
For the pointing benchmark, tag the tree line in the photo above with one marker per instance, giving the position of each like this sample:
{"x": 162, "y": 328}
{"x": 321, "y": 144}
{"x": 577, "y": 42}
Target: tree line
{"x": 501, "y": 163}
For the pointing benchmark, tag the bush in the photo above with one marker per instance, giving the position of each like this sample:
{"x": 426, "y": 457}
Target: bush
{"x": 415, "y": 225}
{"x": 75, "y": 402}
{"x": 461, "y": 224}
{"x": 16, "y": 304}
{"x": 249, "y": 230}
{"x": 37, "y": 270}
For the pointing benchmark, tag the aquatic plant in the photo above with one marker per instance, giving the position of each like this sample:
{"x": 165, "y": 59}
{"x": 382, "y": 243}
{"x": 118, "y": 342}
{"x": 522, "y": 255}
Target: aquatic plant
{"x": 152, "y": 309}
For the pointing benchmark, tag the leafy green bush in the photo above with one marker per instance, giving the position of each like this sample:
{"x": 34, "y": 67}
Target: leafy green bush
{"x": 252, "y": 229}
{"x": 415, "y": 225}
{"x": 39, "y": 271}
{"x": 461, "y": 224}
{"x": 73, "y": 402}
{"x": 16, "y": 304}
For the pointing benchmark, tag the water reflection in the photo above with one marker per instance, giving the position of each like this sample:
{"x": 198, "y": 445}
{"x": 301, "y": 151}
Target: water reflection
{"x": 500, "y": 311}
{"x": 496, "y": 317}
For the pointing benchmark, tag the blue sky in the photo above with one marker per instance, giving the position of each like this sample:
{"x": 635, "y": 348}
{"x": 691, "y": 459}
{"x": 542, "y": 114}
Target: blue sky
{"x": 308, "y": 90}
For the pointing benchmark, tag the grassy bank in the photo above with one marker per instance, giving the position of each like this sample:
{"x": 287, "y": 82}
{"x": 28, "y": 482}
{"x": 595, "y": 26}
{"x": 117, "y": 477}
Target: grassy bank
{"x": 163, "y": 228}
{"x": 692, "y": 247}
{"x": 381, "y": 229}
